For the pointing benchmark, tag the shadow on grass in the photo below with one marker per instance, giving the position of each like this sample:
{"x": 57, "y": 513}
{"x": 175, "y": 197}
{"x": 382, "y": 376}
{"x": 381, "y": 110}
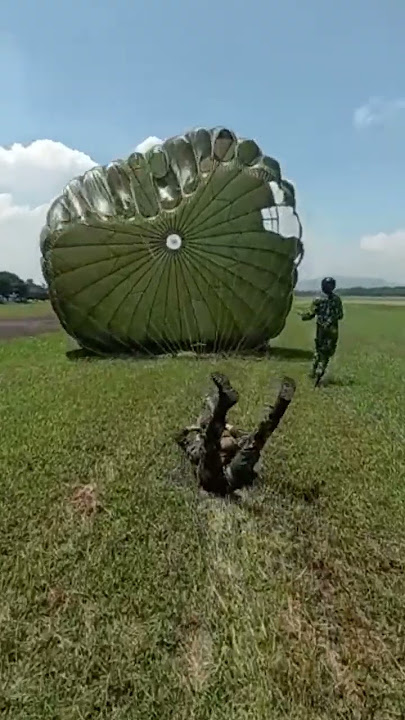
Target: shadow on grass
{"x": 183, "y": 477}
{"x": 339, "y": 382}
{"x": 287, "y": 353}
{"x": 282, "y": 353}
{"x": 89, "y": 356}
{"x": 286, "y": 491}
{"x": 309, "y": 493}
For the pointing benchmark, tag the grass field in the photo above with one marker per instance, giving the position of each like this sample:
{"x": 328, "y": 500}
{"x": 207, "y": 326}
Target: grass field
{"x": 126, "y": 594}
{"x": 20, "y": 310}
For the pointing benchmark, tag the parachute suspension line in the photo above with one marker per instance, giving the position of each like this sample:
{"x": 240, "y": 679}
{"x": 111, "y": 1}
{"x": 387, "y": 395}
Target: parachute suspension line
{"x": 184, "y": 266}
{"x": 181, "y": 313}
{"x": 267, "y": 218}
{"x": 213, "y": 288}
{"x": 89, "y": 313}
{"x": 229, "y": 345}
{"x": 189, "y": 215}
{"x": 212, "y": 283}
{"x": 142, "y": 347}
{"x": 226, "y": 322}
{"x": 228, "y": 341}
{"x": 174, "y": 242}
{"x": 166, "y": 341}
{"x": 184, "y": 329}
{"x": 173, "y": 303}
{"x": 233, "y": 325}
{"x": 150, "y": 327}
{"x": 209, "y": 268}
{"x": 169, "y": 336}
{"x": 221, "y": 310}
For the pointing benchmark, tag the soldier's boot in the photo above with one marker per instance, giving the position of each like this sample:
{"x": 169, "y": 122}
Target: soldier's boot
{"x": 226, "y": 398}
{"x": 241, "y": 471}
{"x": 218, "y": 402}
{"x": 227, "y": 395}
{"x": 275, "y": 412}
{"x": 315, "y": 364}
{"x": 210, "y": 471}
{"x": 320, "y": 371}
{"x": 318, "y": 377}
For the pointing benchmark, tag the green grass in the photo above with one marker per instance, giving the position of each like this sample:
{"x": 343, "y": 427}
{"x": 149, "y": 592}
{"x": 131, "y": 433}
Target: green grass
{"x": 10, "y": 311}
{"x": 164, "y": 604}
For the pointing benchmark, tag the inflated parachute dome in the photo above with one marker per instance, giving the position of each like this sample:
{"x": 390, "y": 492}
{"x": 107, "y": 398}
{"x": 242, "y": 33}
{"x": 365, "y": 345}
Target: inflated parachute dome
{"x": 175, "y": 249}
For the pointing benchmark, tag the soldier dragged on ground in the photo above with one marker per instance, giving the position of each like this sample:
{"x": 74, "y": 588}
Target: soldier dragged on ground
{"x": 328, "y": 311}
{"x": 225, "y": 459}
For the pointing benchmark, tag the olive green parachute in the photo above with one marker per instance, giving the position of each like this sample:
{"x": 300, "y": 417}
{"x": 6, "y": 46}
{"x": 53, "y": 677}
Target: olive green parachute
{"x": 176, "y": 248}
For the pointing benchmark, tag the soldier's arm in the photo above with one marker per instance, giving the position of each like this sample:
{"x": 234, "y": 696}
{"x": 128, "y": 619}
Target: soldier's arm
{"x": 340, "y": 310}
{"x": 313, "y": 311}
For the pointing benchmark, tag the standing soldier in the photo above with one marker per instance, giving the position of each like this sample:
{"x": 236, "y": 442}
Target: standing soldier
{"x": 328, "y": 310}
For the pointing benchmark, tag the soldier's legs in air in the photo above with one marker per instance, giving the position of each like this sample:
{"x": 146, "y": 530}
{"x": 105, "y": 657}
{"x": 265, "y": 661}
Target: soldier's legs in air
{"x": 190, "y": 439}
{"x": 210, "y": 469}
{"x": 241, "y": 470}
{"x": 206, "y": 413}
{"x": 191, "y": 443}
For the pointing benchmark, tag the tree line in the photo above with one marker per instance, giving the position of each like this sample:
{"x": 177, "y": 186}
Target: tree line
{"x": 14, "y": 288}
{"x": 398, "y": 291}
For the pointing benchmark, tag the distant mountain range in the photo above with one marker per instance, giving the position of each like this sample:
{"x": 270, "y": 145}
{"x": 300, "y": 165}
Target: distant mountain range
{"x": 344, "y": 282}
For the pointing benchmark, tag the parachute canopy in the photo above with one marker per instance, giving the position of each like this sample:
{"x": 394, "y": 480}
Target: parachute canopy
{"x": 181, "y": 246}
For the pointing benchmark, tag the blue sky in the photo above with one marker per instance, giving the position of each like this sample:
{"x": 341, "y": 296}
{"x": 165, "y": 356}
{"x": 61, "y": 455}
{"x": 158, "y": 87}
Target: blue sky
{"x": 101, "y": 76}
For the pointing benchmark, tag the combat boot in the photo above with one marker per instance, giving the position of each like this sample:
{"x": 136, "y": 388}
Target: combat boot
{"x": 227, "y": 394}
{"x": 318, "y": 376}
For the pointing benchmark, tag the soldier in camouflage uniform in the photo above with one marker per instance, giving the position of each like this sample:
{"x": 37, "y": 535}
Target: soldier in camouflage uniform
{"x": 224, "y": 458}
{"x": 328, "y": 310}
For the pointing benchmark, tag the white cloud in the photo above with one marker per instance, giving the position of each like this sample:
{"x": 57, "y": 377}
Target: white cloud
{"x": 377, "y": 112}
{"x": 148, "y": 143}
{"x": 389, "y": 245}
{"x": 373, "y": 256}
{"x": 30, "y": 178}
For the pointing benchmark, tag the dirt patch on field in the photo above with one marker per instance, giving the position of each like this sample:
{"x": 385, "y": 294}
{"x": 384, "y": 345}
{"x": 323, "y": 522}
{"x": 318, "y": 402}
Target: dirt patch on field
{"x": 27, "y": 327}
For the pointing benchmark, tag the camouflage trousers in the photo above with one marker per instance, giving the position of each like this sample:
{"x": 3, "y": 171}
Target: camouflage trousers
{"x": 204, "y": 449}
{"x": 326, "y": 341}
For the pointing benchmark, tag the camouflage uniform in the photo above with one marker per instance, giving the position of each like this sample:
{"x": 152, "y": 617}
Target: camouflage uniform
{"x": 328, "y": 310}
{"x": 224, "y": 458}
